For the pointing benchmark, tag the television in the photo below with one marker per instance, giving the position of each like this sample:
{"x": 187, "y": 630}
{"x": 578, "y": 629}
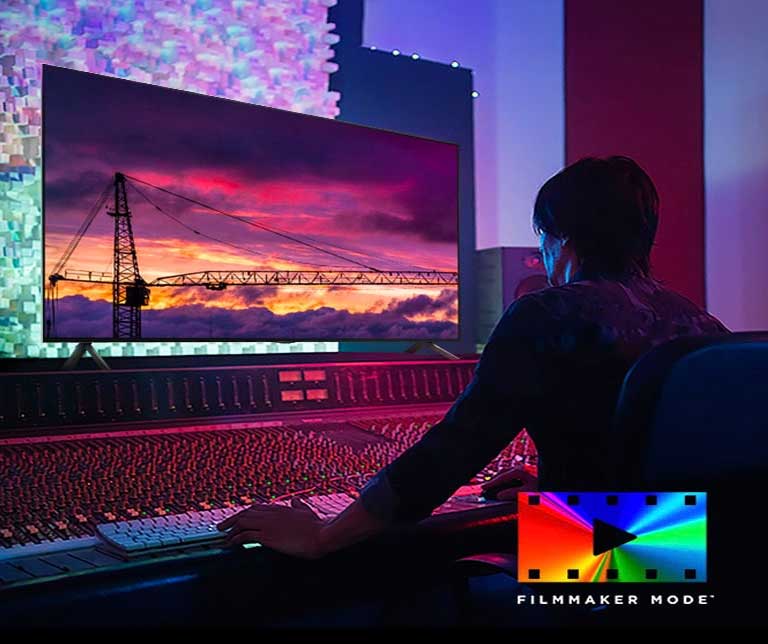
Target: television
{"x": 172, "y": 215}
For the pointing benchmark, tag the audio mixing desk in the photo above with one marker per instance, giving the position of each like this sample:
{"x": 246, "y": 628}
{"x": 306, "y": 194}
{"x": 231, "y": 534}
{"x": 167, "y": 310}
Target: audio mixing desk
{"x": 113, "y": 479}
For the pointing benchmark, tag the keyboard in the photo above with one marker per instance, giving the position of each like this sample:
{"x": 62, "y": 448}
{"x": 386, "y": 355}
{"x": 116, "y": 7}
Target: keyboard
{"x": 325, "y": 506}
{"x": 151, "y": 535}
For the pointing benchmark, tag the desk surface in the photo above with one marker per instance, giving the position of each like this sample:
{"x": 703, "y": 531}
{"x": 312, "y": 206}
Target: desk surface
{"x": 203, "y": 586}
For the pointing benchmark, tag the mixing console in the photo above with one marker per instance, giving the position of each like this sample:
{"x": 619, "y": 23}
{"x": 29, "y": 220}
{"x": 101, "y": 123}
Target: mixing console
{"x": 60, "y": 488}
{"x": 49, "y": 402}
{"x": 135, "y": 465}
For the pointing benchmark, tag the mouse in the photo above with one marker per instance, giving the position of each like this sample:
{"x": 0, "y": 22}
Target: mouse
{"x": 492, "y": 493}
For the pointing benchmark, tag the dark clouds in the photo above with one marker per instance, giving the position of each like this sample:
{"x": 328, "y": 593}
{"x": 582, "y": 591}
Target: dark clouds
{"x": 70, "y": 190}
{"x": 137, "y": 125}
{"x": 79, "y": 317}
{"x": 256, "y": 294}
{"x": 424, "y": 304}
{"x": 424, "y": 224}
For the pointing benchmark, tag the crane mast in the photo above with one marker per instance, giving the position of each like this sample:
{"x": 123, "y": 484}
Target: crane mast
{"x": 129, "y": 290}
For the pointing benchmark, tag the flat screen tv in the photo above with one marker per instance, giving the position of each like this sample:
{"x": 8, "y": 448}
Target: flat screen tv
{"x": 171, "y": 215}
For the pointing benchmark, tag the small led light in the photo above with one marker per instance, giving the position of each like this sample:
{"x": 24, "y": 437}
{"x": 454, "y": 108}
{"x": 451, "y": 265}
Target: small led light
{"x": 373, "y": 47}
{"x": 454, "y": 63}
{"x": 415, "y": 56}
{"x": 395, "y": 52}
{"x": 475, "y": 93}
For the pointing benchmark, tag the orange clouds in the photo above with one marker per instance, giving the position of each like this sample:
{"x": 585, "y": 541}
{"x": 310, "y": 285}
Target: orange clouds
{"x": 281, "y": 300}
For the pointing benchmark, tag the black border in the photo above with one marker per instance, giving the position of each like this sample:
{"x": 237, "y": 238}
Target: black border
{"x": 110, "y": 340}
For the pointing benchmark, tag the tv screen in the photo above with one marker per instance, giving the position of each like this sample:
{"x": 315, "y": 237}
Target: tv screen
{"x": 170, "y": 215}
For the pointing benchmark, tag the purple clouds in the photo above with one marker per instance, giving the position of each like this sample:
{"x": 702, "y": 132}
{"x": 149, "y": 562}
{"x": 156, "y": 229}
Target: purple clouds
{"x": 94, "y": 320}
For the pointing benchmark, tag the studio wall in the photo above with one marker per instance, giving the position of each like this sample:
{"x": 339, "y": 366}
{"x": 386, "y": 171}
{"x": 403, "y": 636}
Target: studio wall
{"x": 515, "y": 50}
{"x": 271, "y": 52}
{"x": 736, "y": 161}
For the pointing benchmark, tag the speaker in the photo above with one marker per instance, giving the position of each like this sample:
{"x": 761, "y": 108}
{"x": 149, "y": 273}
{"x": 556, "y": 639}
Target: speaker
{"x": 503, "y": 275}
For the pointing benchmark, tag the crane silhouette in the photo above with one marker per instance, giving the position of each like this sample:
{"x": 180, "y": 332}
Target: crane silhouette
{"x": 130, "y": 292}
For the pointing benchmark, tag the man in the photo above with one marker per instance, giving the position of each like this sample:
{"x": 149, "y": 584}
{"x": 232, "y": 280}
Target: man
{"x": 554, "y": 365}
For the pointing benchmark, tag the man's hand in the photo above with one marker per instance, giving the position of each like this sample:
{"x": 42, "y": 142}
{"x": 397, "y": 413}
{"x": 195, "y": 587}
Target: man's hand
{"x": 294, "y": 530}
{"x": 507, "y": 484}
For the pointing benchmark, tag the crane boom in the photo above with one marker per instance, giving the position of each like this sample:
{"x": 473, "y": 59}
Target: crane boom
{"x": 218, "y": 280}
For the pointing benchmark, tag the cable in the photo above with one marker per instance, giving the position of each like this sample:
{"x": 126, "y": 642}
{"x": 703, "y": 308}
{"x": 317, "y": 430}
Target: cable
{"x": 190, "y": 228}
{"x": 198, "y": 232}
{"x": 277, "y": 230}
{"x": 59, "y": 266}
{"x": 403, "y": 265}
{"x": 257, "y": 225}
{"x": 355, "y": 250}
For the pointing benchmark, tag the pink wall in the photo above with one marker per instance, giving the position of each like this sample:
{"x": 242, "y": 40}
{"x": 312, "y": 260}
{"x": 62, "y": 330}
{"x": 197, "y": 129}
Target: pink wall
{"x": 633, "y": 74}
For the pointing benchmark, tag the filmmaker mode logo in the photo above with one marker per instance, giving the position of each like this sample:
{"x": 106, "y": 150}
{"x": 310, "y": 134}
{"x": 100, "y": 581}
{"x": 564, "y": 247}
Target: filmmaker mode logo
{"x": 603, "y": 536}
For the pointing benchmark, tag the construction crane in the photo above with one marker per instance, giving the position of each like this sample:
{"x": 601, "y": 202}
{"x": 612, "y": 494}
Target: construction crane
{"x": 129, "y": 290}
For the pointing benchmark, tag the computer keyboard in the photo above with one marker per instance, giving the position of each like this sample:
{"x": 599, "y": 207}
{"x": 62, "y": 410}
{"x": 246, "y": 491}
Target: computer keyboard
{"x": 172, "y": 532}
{"x": 325, "y": 506}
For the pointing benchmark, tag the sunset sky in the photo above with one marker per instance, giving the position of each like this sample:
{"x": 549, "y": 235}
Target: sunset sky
{"x": 384, "y": 200}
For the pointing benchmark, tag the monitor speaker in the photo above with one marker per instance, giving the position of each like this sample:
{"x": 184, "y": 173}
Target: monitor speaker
{"x": 503, "y": 275}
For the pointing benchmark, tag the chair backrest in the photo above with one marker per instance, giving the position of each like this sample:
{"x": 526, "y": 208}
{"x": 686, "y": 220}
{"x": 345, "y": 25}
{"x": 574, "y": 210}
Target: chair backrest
{"x": 693, "y": 415}
{"x": 693, "y": 412}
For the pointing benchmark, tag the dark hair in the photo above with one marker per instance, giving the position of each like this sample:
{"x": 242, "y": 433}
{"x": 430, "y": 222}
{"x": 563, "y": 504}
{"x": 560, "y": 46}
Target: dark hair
{"x": 607, "y": 208}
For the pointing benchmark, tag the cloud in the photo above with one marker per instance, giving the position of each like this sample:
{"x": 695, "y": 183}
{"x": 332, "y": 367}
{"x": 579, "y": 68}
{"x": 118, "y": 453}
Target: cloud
{"x": 69, "y": 191}
{"x": 79, "y": 317}
{"x": 424, "y": 304}
{"x": 256, "y": 294}
{"x": 429, "y": 222}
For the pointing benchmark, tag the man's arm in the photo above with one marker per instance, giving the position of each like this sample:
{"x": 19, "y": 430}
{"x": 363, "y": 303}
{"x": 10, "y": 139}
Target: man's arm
{"x": 508, "y": 382}
{"x": 495, "y": 406}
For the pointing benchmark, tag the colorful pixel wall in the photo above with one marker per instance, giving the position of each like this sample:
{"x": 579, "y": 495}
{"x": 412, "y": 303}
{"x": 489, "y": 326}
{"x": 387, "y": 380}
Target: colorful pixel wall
{"x": 270, "y": 52}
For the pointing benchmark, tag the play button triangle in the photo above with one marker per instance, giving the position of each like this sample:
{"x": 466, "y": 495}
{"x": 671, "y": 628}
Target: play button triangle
{"x": 606, "y": 537}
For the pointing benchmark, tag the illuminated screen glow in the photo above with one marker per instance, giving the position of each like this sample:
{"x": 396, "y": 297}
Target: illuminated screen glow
{"x": 222, "y": 192}
{"x": 612, "y": 537}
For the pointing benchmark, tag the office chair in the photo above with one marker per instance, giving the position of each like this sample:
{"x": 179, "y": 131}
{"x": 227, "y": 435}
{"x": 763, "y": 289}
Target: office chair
{"x": 692, "y": 415}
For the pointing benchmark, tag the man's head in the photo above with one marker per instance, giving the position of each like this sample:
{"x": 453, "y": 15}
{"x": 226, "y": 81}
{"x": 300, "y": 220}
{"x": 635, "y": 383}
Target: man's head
{"x": 599, "y": 215}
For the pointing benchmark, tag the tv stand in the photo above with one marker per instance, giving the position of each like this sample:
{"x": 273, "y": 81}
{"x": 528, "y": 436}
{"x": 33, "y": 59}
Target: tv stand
{"x": 433, "y": 347}
{"x": 80, "y": 350}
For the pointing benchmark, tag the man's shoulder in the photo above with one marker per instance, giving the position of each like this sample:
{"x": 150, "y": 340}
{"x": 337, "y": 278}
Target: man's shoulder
{"x": 558, "y": 302}
{"x": 634, "y": 302}
{"x": 545, "y": 312}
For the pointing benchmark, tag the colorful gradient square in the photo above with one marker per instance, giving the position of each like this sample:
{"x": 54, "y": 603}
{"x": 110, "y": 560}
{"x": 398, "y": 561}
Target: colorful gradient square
{"x": 665, "y": 533}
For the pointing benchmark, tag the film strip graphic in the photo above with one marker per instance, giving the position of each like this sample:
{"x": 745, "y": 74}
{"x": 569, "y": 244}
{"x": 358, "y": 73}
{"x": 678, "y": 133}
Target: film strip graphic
{"x": 612, "y": 537}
